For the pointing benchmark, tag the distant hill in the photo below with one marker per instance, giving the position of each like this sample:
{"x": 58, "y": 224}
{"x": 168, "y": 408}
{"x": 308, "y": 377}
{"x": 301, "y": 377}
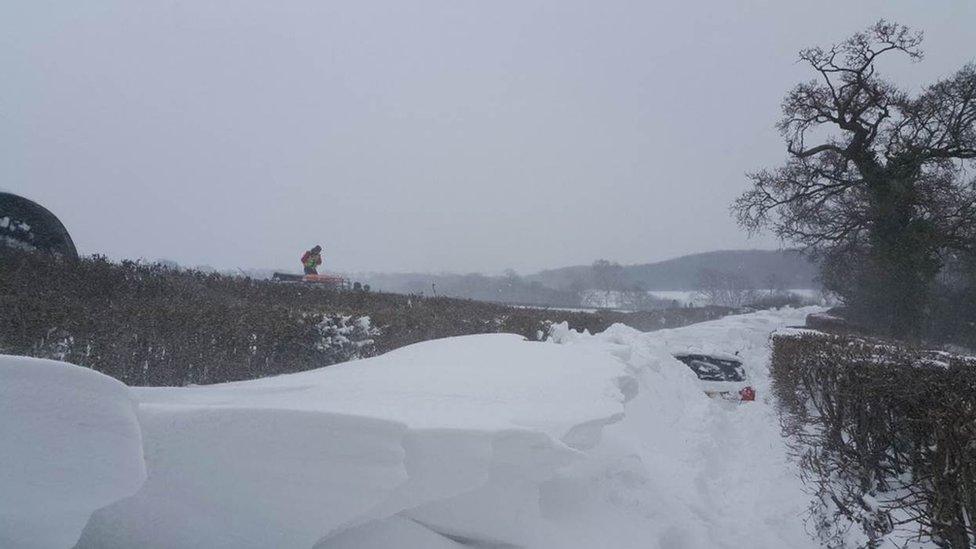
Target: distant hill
{"x": 790, "y": 269}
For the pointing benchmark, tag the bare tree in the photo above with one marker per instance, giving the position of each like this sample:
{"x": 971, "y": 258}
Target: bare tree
{"x": 724, "y": 289}
{"x": 576, "y": 288}
{"x": 774, "y": 284}
{"x": 887, "y": 190}
{"x": 609, "y": 278}
{"x": 636, "y": 298}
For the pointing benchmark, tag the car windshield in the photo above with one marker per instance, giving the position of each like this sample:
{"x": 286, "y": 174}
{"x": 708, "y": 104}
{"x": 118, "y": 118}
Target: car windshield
{"x": 709, "y": 368}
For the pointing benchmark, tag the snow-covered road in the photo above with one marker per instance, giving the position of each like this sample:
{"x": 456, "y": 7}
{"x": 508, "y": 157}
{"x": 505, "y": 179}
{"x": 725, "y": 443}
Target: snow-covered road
{"x": 683, "y": 470}
{"x": 587, "y": 441}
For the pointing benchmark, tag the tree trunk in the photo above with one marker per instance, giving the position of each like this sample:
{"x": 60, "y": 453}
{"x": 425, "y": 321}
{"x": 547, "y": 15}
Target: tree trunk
{"x": 902, "y": 258}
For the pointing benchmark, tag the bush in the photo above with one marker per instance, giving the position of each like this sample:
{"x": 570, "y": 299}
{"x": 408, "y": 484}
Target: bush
{"x": 150, "y": 325}
{"x": 885, "y": 435}
{"x": 154, "y": 325}
{"x": 777, "y": 300}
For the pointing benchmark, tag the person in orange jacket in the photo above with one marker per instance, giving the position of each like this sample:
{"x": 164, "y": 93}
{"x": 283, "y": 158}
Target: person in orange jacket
{"x": 311, "y": 259}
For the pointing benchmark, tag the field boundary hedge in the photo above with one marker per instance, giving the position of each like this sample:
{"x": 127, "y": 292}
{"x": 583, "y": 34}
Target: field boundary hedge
{"x": 147, "y": 324}
{"x": 885, "y": 436}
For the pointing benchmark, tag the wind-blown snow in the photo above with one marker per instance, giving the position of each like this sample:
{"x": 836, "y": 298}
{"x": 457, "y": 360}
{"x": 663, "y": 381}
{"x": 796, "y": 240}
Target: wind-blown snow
{"x": 69, "y": 444}
{"x": 683, "y": 470}
{"x": 285, "y": 461}
{"x": 585, "y": 441}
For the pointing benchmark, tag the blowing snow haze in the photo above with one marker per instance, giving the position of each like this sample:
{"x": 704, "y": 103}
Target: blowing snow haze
{"x": 628, "y": 370}
{"x": 442, "y": 135}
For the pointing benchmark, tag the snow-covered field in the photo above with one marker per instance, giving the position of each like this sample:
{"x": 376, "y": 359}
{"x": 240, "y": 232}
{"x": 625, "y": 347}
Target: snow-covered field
{"x": 586, "y": 441}
{"x": 692, "y": 298}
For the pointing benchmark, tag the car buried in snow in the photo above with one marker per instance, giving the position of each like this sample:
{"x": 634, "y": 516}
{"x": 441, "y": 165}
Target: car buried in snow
{"x": 720, "y": 376}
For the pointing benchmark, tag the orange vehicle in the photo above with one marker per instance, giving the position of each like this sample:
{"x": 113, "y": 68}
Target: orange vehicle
{"x": 325, "y": 279}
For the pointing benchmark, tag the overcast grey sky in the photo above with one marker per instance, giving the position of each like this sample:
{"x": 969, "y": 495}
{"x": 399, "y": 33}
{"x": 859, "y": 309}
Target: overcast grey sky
{"x": 438, "y": 135}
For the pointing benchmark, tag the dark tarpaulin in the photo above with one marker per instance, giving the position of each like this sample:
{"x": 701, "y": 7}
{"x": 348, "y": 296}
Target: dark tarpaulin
{"x": 26, "y": 224}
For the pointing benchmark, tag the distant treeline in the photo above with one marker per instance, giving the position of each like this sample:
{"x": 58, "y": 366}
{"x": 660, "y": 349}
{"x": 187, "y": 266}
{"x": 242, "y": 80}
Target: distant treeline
{"x": 761, "y": 268}
{"x": 508, "y": 288}
{"x": 148, "y": 324}
{"x": 630, "y": 284}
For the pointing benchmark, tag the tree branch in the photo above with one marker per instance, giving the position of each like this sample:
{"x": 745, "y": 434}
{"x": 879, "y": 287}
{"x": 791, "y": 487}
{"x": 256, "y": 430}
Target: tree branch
{"x": 815, "y": 150}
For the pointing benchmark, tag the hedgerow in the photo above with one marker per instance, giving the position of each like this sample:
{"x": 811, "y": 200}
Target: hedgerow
{"x": 885, "y": 435}
{"x": 147, "y": 324}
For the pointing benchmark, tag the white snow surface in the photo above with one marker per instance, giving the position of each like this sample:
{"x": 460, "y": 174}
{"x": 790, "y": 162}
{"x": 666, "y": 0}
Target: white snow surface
{"x": 613, "y": 299}
{"x": 586, "y": 441}
{"x": 69, "y": 444}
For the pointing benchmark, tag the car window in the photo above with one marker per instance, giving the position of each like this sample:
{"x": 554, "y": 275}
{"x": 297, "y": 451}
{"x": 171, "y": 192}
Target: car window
{"x": 709, "y": 368}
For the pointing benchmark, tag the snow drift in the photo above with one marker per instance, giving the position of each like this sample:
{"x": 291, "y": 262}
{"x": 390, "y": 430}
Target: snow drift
{"x": 440, "y": 432}
{"x": 69, "y": 444}
{"x": 480, "y": 441}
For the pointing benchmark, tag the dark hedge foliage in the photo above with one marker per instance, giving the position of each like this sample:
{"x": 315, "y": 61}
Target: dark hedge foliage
{"x": 885, "y": 435}
{"x": 147, "y": 324}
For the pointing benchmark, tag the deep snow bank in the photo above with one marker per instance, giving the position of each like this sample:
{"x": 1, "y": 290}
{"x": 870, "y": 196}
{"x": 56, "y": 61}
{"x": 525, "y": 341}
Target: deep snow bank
{"x": 454, "y": 435}
{"x": 682, "y": 470}
{"x": 69, "y": 444}
{"x": 587, "y": 441}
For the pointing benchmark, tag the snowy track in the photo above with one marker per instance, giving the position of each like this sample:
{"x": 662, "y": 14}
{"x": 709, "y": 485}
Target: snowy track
{"x": 481, "y": 441}
{"x": 682, "y": 470}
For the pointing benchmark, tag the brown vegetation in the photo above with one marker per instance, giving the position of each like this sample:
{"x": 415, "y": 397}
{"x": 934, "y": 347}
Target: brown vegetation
{"x": 152, "y": 325}
{"x": 886, "y": 436}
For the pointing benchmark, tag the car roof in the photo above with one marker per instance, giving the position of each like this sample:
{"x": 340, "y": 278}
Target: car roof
{"x": 714, "y": 356}
{"x": 708, "y": 367}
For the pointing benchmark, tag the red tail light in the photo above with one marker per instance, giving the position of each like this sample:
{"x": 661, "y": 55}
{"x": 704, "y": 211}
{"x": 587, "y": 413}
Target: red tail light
{"x": 747, "y": 393}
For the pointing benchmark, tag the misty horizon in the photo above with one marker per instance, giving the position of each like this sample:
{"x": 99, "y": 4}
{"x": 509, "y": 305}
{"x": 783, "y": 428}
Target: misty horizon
{"x": 494, "y": 272}
{"x": 447, "y": 137}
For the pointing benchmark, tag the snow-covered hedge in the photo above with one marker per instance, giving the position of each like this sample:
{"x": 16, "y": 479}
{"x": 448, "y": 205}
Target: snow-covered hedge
{"x": 153, "y": 325}
{"x": 343, "y": 337}
{"x": 886, "y": 437}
